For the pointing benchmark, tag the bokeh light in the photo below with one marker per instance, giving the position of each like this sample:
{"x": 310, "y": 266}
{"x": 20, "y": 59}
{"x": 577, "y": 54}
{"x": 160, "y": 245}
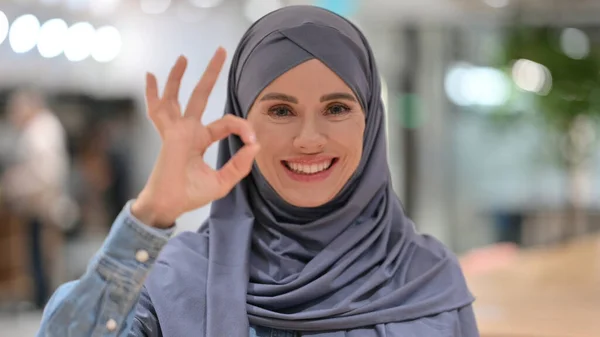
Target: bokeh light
{"x": 575, "y": 43}
{"x": 4, "y": 25}
{"x": 467, "y": 85}
{"x": 51, "y": 41}
{"x": 80, "y": 39}
{"x": 24, "y": 32}
{"x": 107, "y": 44}
{"x": 532, "y": 77}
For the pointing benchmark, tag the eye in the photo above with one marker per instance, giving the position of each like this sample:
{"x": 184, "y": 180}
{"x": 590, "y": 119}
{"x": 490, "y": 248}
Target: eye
{"x": 280, "y": 111}
{"x": 337, "y": 109}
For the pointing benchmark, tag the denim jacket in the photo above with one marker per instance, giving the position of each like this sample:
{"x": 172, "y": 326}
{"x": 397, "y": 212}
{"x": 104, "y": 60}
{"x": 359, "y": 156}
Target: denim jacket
{"x": 108, "y": 299}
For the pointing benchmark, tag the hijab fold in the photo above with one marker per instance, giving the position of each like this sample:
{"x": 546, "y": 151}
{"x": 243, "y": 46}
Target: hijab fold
{"x": 355, "y": 263}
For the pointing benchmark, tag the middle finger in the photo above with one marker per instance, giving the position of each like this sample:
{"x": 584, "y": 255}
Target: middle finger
{"x": 174, "y": 81}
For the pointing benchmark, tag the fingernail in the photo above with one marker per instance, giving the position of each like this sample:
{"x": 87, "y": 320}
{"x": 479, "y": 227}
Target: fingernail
{"x": 252, "y": 138}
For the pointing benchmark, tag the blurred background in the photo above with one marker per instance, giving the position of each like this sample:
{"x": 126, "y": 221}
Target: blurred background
{"x": 493, "y": 123}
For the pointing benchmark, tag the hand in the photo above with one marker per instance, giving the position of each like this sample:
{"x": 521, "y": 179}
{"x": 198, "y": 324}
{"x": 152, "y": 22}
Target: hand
{"x": 181, "y": 180}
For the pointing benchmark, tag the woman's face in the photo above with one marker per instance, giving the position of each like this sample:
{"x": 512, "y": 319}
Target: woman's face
{"x": 310, "y": 127}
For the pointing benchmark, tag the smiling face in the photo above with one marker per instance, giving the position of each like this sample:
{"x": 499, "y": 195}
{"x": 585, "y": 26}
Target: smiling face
{"x": 310, "y": 126}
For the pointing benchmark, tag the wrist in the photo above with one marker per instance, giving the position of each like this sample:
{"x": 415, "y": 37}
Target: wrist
{"x": 149, "y": 213}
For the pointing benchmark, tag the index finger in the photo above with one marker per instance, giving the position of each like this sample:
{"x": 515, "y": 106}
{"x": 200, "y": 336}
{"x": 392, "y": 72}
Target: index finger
{"x": 152, "y": 98}
{"x": 199, "y": 98}
{"x": 228, "y": 125}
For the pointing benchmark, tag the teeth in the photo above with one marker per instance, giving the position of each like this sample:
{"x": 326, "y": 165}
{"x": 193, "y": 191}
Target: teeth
{"x": 309, "y": 169}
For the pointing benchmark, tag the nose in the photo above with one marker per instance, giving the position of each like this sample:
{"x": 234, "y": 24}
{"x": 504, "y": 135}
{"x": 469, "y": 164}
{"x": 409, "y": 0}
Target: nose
{"x": 310, "y": 137}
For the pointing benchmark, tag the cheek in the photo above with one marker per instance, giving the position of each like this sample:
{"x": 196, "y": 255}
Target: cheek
{"x": 350, "y": 136}
{"x": 272, "y": 136}
{"x": 273, "y": 140}
{"x": 266, "y": 131}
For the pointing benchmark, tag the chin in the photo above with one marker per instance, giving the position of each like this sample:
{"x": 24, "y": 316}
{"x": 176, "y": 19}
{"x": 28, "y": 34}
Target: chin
{"x": 307, "y": 201}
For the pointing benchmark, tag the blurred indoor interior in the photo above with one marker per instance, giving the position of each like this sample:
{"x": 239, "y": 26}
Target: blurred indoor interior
{"x": 493, "y": 121}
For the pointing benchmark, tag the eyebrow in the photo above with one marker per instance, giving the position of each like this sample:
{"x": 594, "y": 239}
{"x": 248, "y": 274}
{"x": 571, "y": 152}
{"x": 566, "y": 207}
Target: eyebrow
{"x": 338, "y": 95}
{"x": 276, "y": 96}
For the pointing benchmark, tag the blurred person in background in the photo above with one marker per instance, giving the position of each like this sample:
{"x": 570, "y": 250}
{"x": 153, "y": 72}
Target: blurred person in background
{"x": 94, "y": 179}
{"x": 118, "y": 152}
{"x": 101, "y": 173}
{"x": 305, "y": 235}
{"x": 34, "y": 184}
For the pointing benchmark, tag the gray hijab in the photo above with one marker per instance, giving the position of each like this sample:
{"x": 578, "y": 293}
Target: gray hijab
{"x": 354, "y": 263}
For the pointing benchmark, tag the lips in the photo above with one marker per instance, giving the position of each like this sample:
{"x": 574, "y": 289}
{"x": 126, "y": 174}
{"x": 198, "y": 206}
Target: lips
{"x": 309, "y": 168}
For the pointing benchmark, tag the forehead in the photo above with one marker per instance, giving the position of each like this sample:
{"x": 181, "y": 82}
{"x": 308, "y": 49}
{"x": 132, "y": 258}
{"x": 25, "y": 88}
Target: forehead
{"x": 258, "y": 63}
{"x": 307, "y": 80}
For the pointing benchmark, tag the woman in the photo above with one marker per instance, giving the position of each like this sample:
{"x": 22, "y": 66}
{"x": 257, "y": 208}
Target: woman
{"x": 308, "y": 241}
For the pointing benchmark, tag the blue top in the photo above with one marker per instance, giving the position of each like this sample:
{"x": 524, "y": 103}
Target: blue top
{"x": 109, "y": 299}
{"x": 102, "y": 302}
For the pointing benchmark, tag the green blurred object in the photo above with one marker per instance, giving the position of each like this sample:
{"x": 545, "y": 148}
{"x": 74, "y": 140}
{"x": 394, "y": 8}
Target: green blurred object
{"x": 575, "y": 82}
{"x": 571, "y": 103}
{"x": 411, "y": 116}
